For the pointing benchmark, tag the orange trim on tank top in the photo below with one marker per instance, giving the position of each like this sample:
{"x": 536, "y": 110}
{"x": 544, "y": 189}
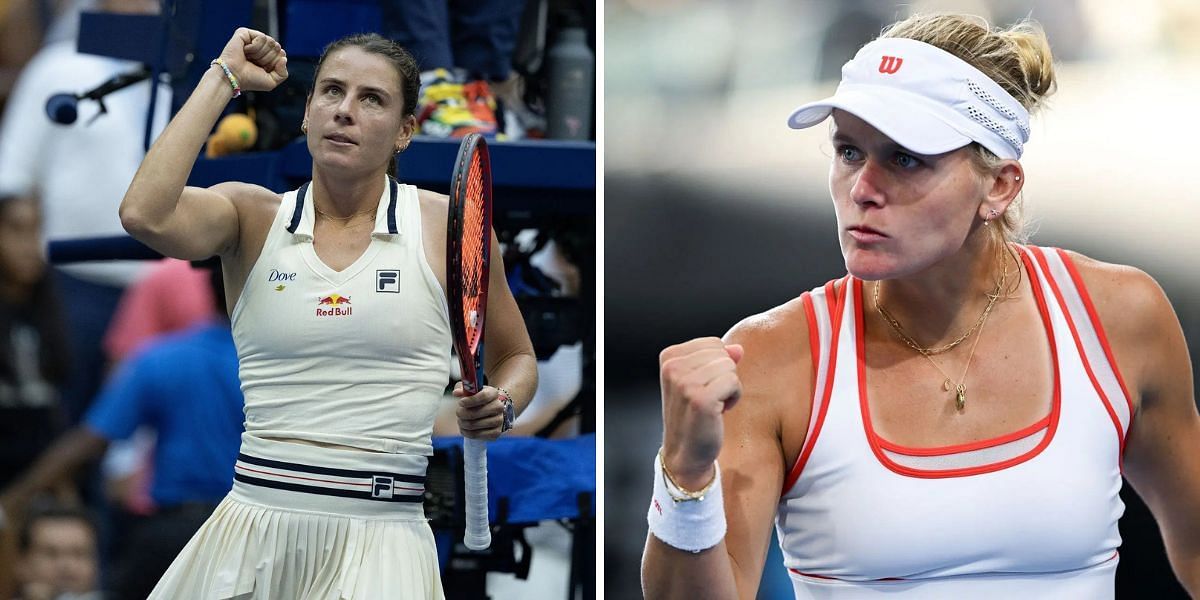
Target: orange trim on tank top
{"x": 814, "y": 336}
{"x": 1087, "y": 366}
{"x": 969, "y": 446}
{"x": 1099, "y": 327}
{"x": 875, "y": 441}
{"x": 815, "y": 576}
{"x": 837, "y": 303}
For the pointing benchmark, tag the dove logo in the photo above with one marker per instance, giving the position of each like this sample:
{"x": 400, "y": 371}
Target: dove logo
{"x": 275, "y": 275}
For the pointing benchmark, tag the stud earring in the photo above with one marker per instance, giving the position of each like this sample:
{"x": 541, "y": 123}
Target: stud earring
{"x": 304, "y": 126}
{"x": 1017, "y": 178}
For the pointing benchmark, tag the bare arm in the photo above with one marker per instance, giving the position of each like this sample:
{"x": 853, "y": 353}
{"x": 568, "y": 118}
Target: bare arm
{"x": 754, "y": 451}
{"x": 68, "y": 452}
{"x": 1162, "y": 453}
{"x": 509, "y": 360}
{"x": 189, "y": 222}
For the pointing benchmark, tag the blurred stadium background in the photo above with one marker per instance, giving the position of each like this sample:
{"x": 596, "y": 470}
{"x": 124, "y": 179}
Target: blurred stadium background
{"x": 716, "y": 210}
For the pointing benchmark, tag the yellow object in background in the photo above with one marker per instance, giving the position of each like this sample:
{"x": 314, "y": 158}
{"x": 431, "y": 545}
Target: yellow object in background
{"x": 235, "y": 133}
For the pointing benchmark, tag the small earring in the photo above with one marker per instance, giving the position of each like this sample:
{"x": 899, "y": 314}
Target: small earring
{"x": 304, "y": 126}
{"x": 1017, "y": 178}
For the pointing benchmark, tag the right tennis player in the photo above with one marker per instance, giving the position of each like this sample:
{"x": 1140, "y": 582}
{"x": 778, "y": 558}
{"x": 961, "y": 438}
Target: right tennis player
{"x": 343, "y": 335}
{"x": 952, "y": 418}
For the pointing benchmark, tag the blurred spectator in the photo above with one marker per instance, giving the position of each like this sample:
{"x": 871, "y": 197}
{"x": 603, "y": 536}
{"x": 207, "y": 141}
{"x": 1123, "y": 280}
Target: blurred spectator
{"x": 20, "y": 36}
{"x": 58, "y": 558}
{"x": 185, "y": 386}
{"x": 32, "y": 341}
{"x": 80, "y": 173}
{"x": 171, "y": 297}
{"x": 461, "y": 46}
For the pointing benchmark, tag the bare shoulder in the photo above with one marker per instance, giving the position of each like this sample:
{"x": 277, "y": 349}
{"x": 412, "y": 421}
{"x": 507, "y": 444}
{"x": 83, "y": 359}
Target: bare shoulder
{"x": 249, "y": 197}
{"x": 434, "y": 208}
{"x": 433, "y": 203}
{"x": 1127, "y": 299}
{"x": 774, "y": 337}
{"x": 1140, "y": 324}
{"x": 256, "y": 207}
{"x": 776, "y": 374}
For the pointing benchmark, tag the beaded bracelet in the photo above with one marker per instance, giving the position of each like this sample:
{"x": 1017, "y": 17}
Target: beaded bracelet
{"x": 233, "y": 81}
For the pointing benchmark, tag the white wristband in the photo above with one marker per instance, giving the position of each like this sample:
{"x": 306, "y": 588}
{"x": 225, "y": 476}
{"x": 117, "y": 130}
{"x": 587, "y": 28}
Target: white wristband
{"x": 693, "y": 525}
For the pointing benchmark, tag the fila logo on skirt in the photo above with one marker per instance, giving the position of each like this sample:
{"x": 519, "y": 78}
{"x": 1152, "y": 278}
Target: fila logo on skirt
{"x": 344, "y": 483}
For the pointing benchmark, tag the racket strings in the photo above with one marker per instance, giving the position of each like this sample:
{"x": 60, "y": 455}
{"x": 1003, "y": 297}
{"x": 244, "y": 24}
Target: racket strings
{"x": 474, "y": 252}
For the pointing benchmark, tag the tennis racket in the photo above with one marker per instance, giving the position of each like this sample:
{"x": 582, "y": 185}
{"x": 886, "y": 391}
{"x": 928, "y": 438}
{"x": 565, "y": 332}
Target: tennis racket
{"x": 468, "y": 254}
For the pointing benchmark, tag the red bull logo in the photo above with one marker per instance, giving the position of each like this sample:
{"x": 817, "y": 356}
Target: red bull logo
{"x": 339, "y": 306}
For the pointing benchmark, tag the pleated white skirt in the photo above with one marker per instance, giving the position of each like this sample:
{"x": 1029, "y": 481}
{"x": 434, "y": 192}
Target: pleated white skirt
{"x": 273, "y": 544}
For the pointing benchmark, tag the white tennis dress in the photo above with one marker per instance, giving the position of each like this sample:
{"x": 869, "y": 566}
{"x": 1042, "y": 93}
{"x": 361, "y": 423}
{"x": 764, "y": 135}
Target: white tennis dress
{"x": 1032, "y": 514}
{"x": 358, "y": 358}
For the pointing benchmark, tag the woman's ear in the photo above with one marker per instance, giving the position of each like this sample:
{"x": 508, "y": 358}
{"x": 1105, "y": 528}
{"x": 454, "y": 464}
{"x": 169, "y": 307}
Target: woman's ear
{"x": 1002, "y": 188}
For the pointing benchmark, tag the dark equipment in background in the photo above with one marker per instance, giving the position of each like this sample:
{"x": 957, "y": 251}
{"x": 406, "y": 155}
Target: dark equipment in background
{"x": 63, "y": 108}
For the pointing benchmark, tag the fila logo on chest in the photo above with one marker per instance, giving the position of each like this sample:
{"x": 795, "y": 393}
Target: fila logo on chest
{"x": 387, "y": 281}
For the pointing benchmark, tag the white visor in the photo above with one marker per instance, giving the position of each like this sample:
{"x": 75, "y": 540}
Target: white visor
{"x": 925, "y": 99}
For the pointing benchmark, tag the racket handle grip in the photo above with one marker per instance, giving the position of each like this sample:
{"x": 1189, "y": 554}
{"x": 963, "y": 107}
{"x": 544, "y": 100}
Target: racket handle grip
{"x": 479, "y": 533}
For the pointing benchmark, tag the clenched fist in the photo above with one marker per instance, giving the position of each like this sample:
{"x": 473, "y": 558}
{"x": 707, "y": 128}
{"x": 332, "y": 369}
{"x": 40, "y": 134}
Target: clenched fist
{"x": 699, "y": 382}
{"x": 257, "y": 60}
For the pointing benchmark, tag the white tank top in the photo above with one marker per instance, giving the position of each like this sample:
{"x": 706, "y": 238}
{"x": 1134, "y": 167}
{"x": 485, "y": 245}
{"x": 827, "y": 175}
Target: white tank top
{"x": 358, "y": 357}
{"x": 1030, "y": 514}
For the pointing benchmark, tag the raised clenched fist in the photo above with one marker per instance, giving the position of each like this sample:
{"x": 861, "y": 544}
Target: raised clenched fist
{"x": 256, "y": 59}
{"x": 699, "y": 382}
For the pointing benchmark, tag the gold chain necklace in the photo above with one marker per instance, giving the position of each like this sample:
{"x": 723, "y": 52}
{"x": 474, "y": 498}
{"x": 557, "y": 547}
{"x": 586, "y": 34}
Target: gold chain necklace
{"x": 341, "y": 219}
{"x": 899, "y": 329}
{"x": 960, "y": 390}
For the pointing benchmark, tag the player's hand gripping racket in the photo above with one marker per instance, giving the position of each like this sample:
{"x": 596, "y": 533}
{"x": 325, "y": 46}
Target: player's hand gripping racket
{"x": 468, "y": 253}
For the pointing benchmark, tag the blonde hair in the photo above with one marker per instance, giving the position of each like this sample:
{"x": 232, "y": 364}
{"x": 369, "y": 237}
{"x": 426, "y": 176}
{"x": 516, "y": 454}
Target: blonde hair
{"x": 1017, "y": 58}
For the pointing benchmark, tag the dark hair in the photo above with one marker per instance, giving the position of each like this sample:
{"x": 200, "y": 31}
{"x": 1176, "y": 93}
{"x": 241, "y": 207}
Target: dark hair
{"x": 403, "y": 61}
{"x": 53, "y": 512}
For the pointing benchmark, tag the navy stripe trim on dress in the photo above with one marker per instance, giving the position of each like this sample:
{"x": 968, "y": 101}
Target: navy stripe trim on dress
{"x": 279, "y": 464}
{"x": 299, "y": 209}
{"x": 392, "y": 229}
{"x": 312, "y": 489}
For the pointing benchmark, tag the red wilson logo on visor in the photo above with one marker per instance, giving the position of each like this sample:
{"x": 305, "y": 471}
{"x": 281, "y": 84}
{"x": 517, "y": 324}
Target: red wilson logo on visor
{"x": 890, "y": 64}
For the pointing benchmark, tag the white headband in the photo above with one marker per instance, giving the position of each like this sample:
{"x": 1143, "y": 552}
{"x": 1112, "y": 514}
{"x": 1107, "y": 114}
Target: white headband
{"x": 925, "y": 99}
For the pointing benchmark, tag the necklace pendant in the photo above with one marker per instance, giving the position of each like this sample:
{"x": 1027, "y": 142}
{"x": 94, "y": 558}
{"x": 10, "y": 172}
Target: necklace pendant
{"x": 946, "y": 385}
{"x": 960, "y": 400}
